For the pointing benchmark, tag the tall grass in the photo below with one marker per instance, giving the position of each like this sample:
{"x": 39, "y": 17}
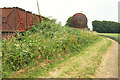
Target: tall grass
{"x": 46, "y": 40}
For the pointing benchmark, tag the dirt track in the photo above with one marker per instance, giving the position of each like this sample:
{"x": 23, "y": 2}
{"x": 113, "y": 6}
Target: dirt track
{"x": 109, "y": 65}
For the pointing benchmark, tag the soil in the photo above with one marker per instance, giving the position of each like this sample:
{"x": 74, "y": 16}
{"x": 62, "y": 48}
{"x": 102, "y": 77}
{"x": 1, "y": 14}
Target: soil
{"x": 109, "y": 65}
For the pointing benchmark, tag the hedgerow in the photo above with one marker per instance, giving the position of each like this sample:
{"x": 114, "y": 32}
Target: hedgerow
{"x": 46, "y": 40}
{"x": 106, "y": 26}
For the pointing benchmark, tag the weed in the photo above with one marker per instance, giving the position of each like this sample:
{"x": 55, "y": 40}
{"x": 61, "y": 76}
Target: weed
{"x": 45, "y": 41}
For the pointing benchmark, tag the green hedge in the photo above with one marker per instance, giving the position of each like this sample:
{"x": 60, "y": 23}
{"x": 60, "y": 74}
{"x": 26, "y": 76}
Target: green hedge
{"x": 106, "y": 26}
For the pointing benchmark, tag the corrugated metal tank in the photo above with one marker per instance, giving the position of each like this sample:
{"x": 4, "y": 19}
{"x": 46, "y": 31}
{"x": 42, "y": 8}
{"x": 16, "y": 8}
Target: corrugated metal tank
{"x": 79, "y": 20}
{"x": 17, "y": 19}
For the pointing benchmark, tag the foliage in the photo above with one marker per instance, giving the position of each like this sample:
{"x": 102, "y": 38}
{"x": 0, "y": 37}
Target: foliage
{"x": 106, "y": 26}
{"x": 68, "y": 22}
{"x": 46, "y": 40}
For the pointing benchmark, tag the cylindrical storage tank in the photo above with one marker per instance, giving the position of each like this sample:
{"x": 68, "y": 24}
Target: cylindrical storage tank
{"x": 79, "y": 20}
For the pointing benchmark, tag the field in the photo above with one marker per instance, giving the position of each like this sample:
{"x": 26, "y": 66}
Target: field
{"x": 114, "y": 36}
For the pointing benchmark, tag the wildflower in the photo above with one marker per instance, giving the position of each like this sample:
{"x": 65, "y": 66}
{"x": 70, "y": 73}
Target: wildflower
{"x": 39, "y": 57}
{"x": 48, "y": 61}
{"x": 16, "y": 44}
{"x": 25, "y": 51}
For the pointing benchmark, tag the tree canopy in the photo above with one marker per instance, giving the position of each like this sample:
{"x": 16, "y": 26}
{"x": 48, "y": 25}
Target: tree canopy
{"x": 106, "y": 26}
{"x": 68, "y": 22}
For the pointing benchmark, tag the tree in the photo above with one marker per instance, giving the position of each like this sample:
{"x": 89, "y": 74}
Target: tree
{"x": 68, "y": 22}
{"x": 106, "y": 26}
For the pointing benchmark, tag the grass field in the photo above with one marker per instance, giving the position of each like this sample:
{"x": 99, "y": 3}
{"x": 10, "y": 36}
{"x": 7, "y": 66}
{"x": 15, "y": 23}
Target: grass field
{"x": 114, "y": 36}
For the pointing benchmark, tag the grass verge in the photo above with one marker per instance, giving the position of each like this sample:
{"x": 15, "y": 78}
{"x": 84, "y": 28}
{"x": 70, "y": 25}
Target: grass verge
{"x": 80, "y": 64}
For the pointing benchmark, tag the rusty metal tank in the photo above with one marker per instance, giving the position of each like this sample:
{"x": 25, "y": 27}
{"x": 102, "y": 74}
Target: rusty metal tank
{"x": 79, "y": 20}
{"x": 17, "y": 19}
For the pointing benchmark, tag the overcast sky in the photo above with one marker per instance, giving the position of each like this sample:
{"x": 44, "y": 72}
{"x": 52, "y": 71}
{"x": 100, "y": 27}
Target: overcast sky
{"x": 62, "y": 9}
